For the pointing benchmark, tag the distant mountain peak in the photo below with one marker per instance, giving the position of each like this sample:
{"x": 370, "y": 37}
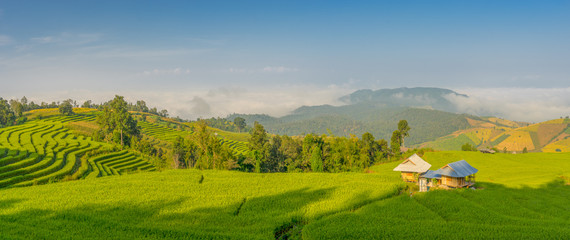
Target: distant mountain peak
{"x": 422, "y": 97}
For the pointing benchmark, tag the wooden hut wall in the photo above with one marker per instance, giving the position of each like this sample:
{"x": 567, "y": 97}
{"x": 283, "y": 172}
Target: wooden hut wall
{"x": 452, "y": 181}
{"x": 408, "y": 176}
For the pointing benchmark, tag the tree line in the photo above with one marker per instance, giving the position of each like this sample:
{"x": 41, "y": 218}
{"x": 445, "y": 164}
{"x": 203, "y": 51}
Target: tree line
{"x": 319, "y": 153}
{"x": 266, "y": 152}
{"x": 204, "y": 150}
{"x": 237, "y": 125}
{"x": 19, "y": 106}
{"x": 282, "y": 153}
{"x": 11, "y": 112}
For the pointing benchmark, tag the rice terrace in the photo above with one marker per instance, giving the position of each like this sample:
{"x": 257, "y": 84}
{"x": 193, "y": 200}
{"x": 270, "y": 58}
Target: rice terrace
{"x": 284, "y": 120}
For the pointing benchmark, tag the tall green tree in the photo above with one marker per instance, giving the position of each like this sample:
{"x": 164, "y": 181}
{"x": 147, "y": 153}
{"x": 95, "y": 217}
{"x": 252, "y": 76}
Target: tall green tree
{"x": 118, "y": 122}
{"x": 255, "y": 155}
{"x": 258, "y": 138}
{"x": 317, "y": 159}
{"x": 87, "y": 104}
{"x": 395, "y": 143}
{"x": 258, "y": 145}
{"x": 275, "y": 157}
{"x": 24, "y": 102}
{"x": 141, "y": 106}
{"x": 6, "y": 115}
{"x": 404, "y": 129}
{"x": 17, "y": 107}
{"x": 207, "y": 152}
{"x": 240, "y": 123}
{"x": 368, "y": 150}
{"x": 66, "y": 108}
{"x": 163, "y": 113}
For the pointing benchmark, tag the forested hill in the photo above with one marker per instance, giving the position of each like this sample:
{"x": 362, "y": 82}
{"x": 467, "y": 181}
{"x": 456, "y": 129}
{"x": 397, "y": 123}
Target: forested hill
{"x": 377, "y": 112}
{"x": 434, "y": 98}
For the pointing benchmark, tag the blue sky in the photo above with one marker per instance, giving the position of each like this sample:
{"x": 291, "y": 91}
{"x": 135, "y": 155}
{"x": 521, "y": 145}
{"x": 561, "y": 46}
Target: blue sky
{"x": 211, "y": 50}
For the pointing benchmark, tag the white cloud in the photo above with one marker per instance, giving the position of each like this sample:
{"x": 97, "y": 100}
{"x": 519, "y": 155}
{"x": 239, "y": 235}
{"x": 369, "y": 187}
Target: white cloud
{"x": 237, "y": 70}
{"x": 527, "y": 77}
{"x": 207, "y": 41}
{"x": 134, "y": 53}
{"x": 399, "y": 95}
{"x": 5, "y": 40}
{"x": 279, "y": 69}
{"x": 66, "y": 38}
{"x": 206, "y": 103}
{"x": 268, "y": 69}
{"x": 173, "y": 71}
{"x": 199, "y": 106}
{"x": 223, "y": 101}
{"x": 522, "y": 104}
{"x": 46, "y": 39}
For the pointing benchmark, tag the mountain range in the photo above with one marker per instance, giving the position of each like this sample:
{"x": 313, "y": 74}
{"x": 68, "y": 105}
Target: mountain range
{"x": 434, "y": 120}
{"x": 428, "y": 111}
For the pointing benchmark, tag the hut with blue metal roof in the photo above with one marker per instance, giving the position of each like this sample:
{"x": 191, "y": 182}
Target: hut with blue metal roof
{"x": 454, "y": 175}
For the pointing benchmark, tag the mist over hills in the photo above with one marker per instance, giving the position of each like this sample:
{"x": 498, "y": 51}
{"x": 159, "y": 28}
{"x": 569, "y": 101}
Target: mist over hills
{"x": 435, "y": 98}
{"x": 428, "y": 111}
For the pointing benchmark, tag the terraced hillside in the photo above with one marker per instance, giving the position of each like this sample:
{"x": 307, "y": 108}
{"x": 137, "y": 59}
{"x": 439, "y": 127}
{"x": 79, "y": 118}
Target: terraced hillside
{"x": 159, "y": 131}
{"x": 117, "y": 163}
{"x": 41, "y": 151}
{"x": 549, "y": 136}
{"x": 162, "y": 135}
{"x": 237, "y": 146}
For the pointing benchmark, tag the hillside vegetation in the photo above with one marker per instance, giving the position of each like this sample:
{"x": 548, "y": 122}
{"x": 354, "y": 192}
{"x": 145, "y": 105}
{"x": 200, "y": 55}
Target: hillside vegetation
{"x": 428, "y": 110}
{"x": 53, "y": 147}
{"x": 427, "y": 124}
{"x": 548, "y": 136}
{"x": 41, "y": 151}
{"x": 519, "y": 196}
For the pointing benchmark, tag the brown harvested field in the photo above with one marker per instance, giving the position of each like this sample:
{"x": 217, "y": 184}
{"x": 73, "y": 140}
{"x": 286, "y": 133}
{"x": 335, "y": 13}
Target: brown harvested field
{"x": 504, "y": 122}
{"x": 546, "y": 132}
{"x": 477, "y": 123}
{"x": 494, "y": 134}
{"x": 561, "y": 137}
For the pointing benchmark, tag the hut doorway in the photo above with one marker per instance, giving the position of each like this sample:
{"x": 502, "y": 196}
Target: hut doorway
{"x": 423, "y": 184}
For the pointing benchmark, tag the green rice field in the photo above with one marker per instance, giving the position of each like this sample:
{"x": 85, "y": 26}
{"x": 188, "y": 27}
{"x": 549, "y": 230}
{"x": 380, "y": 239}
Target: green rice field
{"x": 524, "y": 196}
{"x": 42, "y": 151}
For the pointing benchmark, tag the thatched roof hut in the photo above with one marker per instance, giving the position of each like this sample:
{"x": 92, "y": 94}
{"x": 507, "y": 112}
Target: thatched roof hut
{"x": 414, "y": 164}
{"x": 486, "y": 150}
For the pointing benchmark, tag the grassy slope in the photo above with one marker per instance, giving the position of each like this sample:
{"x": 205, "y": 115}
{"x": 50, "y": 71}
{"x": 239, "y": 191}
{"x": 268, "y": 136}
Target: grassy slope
{"x": 174, "y": 204}
{"x": 511, "y": 170}
{"x": 523, "y": 197}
